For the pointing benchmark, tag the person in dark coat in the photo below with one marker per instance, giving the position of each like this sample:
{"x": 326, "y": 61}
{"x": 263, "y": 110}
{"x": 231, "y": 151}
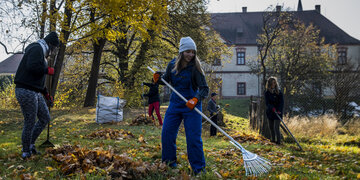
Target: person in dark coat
{"x": 212, "y": 108}
{"x": 30, "y": 88}
{"x": 274, "y": 105}
{"x": 154, "y": 100}
{"x": 186, "y": 76}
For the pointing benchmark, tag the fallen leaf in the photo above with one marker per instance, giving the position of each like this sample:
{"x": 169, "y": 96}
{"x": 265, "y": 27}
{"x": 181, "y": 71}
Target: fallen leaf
{"x": 284, "y": 176}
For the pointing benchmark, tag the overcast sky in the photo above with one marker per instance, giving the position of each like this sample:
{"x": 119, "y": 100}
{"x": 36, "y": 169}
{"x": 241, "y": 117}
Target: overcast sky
{"x": 344, "y": 13}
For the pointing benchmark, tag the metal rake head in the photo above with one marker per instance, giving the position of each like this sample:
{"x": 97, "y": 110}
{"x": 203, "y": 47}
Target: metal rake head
{"x": 254, "y": 165}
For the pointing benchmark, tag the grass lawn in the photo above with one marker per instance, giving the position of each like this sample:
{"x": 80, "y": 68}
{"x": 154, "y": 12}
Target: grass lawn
{"x": 136, "y": 153}
{"x": 237, "y": 107}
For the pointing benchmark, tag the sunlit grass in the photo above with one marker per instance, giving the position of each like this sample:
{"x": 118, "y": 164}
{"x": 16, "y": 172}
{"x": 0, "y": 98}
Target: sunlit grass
{"x": 325, "y": 154}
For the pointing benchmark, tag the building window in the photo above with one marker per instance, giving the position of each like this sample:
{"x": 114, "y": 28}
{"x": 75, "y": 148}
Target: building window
{"x": 241, "y": 88}
{"x": 342, "y": 56}
{"x": 217, "y": 62}
{"x": 240, "y": 56}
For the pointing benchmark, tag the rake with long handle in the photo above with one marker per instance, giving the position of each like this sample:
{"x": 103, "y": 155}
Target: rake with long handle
{"x": 47, "y": 143}
{"x": 143, "y": 99}
{"x": 254, "y": 165}
{"x": 217, "y": 112}
{"x": 289, "y": 131}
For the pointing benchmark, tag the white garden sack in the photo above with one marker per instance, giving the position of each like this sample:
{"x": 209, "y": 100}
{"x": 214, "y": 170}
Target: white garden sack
{"x": 109, "y": 109}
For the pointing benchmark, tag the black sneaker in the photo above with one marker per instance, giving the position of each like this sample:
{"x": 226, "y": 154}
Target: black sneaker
{"x": 34, "y": 151}
{"x": 26, "y": 155}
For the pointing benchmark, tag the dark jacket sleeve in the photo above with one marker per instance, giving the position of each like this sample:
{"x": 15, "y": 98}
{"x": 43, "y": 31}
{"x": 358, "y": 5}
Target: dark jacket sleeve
{"x": 147, "y": 84}
{"x": 35, "y": 62}
{"x": 211, "y": 107}
{"x": 269, "y": 106}
{"x": 167, "y": 75}
{"x": 202, "y": 85}
{"x": 152, "y": 91}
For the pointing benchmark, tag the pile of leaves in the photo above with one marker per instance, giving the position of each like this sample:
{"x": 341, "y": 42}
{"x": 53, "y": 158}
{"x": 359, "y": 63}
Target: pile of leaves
{"x": 141, "y": 120}
{"x": 74, "y": 160}
{"x": 241, "y": 138}
{"x": 111, "y": 134}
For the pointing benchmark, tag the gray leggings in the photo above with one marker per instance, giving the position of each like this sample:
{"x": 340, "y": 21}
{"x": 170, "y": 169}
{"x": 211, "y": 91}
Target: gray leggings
{"x": 275, "y": 130}
{"x": 32, "y": 104}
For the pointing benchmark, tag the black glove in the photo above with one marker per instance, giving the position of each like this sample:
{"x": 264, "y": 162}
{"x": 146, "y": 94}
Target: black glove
{"x": 49, "y": 99}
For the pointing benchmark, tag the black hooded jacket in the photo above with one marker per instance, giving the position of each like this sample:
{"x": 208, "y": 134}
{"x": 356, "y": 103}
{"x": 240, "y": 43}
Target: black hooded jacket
{"x": 32, "y": 69}
{"x": 153, "y": 93}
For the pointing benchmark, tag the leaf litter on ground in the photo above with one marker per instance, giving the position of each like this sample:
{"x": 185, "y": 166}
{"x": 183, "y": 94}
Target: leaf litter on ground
{"x": 75, "y": 159}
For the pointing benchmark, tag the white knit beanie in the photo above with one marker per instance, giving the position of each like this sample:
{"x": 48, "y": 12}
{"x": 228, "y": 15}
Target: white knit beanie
{"x": 186, "y": 43}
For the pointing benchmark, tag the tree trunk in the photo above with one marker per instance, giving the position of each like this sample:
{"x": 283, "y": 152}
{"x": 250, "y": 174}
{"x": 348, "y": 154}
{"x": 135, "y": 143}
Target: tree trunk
{"x": 139, "y": 60}
{"x": 264, "y": 126}
{"x": 94, "y": 73}
{"x": 65, "y": 32}
{"x": 43, "y": 19}
{"x": 122, "y": 53}
{"x": 52, "y": 15}
{"x": 264, "y": 123}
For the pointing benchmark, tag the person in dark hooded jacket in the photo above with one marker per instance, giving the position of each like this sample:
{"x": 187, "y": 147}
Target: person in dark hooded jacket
{"x": 213, "y": 108}
{"x": 154, "y": 100}
{"x": 30, "y": 89}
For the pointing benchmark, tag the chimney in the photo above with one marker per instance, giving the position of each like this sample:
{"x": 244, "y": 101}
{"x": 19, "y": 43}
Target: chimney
{"x": 317, "y": 8}
{"x": 244, "y": 9}
{"x": 278, "y": 8}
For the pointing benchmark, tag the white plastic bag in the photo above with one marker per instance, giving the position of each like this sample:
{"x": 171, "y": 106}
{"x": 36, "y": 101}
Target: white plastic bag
{"x": 109, "y": 109}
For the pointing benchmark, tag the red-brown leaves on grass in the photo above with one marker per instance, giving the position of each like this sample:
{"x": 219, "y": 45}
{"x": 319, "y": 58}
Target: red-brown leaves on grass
{"x": 111, "y": 134}
{"x": 141, "y": 120}
{"x": 26, "y": 176}
{"x": 74, "y": 159}
{"x": 241, "y": 138}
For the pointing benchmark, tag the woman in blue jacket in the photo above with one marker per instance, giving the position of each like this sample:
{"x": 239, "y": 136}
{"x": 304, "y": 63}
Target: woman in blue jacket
{"x": 274, "y": 105}
{"x": 185, "y": 74}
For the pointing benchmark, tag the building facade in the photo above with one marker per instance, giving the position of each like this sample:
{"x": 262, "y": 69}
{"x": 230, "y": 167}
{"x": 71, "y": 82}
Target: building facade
{"x": 241, "y": 29}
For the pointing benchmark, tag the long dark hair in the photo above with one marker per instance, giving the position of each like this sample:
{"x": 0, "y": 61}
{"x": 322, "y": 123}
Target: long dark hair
{"x": 181, "y": 64}
{"x": 269, "y": 82}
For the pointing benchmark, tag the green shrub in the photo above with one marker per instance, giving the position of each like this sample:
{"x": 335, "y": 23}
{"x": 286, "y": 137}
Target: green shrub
{"x": 7, "y": 97}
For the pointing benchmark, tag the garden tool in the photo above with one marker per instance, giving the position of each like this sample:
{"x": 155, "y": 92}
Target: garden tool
{"x": 47, "y": 143}
{"x": 217, "y": 112}
{"x": 142, "y": 84}
{"x": 254, "y": 164}
{"x": 289, "y": 131}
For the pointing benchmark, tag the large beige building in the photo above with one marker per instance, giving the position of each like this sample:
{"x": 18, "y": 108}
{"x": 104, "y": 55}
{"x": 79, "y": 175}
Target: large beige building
{"x": 240, "y": 31}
